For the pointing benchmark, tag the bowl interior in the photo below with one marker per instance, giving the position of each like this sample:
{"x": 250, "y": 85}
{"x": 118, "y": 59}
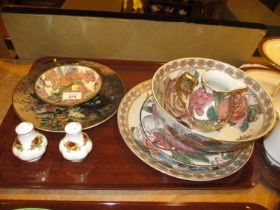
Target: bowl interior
{"x": 270, "y": 49}
{"x": 68, "y": 85}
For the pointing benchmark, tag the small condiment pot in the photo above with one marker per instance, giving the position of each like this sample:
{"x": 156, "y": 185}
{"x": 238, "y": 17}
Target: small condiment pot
{"x": 30, "y": 144}
{"x": 210, "y": 106}
{"x": 75, "y": 145}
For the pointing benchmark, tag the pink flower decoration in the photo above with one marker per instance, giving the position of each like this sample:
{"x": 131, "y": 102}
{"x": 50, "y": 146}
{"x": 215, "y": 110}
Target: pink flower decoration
{"x": 198, "y": 100}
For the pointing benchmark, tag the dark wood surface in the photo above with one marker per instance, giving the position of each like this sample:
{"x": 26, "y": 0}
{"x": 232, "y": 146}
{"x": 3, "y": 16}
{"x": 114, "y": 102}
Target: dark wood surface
{"x": 53, "y": 205}
{"x": 110, "y": 165}
{"x": 270, "y": 174}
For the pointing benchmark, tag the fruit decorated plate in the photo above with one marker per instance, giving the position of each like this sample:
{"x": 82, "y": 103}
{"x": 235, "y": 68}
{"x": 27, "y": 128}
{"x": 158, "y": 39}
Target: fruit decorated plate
{"x": 68, "y": 85}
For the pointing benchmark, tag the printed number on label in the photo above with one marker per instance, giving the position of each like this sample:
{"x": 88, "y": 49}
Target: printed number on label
{"x": 71, "y": 95}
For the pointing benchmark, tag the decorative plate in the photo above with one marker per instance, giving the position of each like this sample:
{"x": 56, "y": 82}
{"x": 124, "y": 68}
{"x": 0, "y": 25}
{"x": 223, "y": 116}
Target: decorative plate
{"x": 53, "y": 118}
{"x": 131, "y": 130}
{"x": 269, "y": 48}
{"x": 68, "y": 85}
{"x": 164, "y": 140}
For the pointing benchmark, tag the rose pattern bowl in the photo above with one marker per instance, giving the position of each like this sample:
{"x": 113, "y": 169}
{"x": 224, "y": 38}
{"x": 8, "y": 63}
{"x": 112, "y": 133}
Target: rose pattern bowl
{"x": 253, "y": 117}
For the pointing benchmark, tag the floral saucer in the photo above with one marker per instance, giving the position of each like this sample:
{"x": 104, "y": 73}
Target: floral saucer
{"x": 48, "y": 117}
{"x": 132, "y": 132}
{"x": 269, "y": 49}
{"x": 68, "y": 85}
{"x": 162, "y": 137}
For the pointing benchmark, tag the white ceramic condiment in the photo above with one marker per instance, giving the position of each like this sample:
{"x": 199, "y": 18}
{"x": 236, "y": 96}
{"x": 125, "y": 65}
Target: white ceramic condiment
{"x": 272, "y": 146}
{"x": 29, "y": 145}
{"x": 75, "y": 145}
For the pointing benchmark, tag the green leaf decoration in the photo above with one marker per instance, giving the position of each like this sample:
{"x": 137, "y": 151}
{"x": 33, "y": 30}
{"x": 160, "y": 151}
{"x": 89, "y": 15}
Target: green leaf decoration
{"x": 199, "y": 158}
{"x": 55, "y": 98}
{"x": 189, "y": 159}
{"x": 253, "y": 112}
{"x": 148, "y": 109}
{"x": 212, "y": 114}
{"x": 206, "y": 124}
{"x": 245, "y": 126}
{"x": 182, "y": 158}
{"x": 60, "y": 70}
{"x": 218, "y": 97}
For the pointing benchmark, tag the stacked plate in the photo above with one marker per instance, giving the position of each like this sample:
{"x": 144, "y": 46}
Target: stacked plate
{"x": 269, "y": 49}
{"x": 154, "y": 123}
{"x": 65, "y": 91}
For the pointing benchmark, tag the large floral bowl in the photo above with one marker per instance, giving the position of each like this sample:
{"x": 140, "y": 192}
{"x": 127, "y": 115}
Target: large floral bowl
{"x": 253, "y": 115}
{"x": 68, "y": 85}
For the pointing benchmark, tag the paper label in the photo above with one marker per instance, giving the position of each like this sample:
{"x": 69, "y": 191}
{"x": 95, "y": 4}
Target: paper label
{"x": 71, "y": 96}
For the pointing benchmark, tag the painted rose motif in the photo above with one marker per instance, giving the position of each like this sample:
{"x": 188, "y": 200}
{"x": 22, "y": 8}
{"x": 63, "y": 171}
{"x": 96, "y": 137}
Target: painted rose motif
{"x": 239, "y": 108}
{"x": 199, "y": 99}
{"x": 18, "y": 145}
{"x": 71, "y": 146}
{"x": 37, "y": 142}
{"x": 224, "y": 108}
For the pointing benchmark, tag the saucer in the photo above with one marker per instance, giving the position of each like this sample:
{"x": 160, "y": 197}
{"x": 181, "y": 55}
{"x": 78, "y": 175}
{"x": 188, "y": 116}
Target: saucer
{"x": 132, "y": 133}
{"x": 45, "y": 116}
{"x": 269, "y": 48}
{"x": 68, "y": 85}
{"x": 167, "y": 143}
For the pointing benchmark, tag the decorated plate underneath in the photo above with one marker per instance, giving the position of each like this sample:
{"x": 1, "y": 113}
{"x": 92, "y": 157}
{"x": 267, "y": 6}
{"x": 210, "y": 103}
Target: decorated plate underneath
{"x": 53, "y": 118}
{"x": 131, "y": 130}
{"x": 269, "y": 48}
{"x": 68, "y": 85}
{"x": 167, "y": 143}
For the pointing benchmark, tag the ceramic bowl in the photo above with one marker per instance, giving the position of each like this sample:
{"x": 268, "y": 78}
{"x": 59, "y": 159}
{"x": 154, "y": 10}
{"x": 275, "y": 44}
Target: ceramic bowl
{"x": 253, "y": 121}
{"x": 269, "y": 48}
{"x": 68, "y": 85}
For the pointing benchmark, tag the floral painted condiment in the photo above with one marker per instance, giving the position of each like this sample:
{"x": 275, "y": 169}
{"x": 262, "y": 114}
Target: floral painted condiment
{"x": 29, "y": 145}
{"x": 75, "y": 145}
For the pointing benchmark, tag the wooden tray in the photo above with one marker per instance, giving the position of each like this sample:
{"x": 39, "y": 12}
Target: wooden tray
{"x": 110, "y": 165}
{"x": 127, "y": 205}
